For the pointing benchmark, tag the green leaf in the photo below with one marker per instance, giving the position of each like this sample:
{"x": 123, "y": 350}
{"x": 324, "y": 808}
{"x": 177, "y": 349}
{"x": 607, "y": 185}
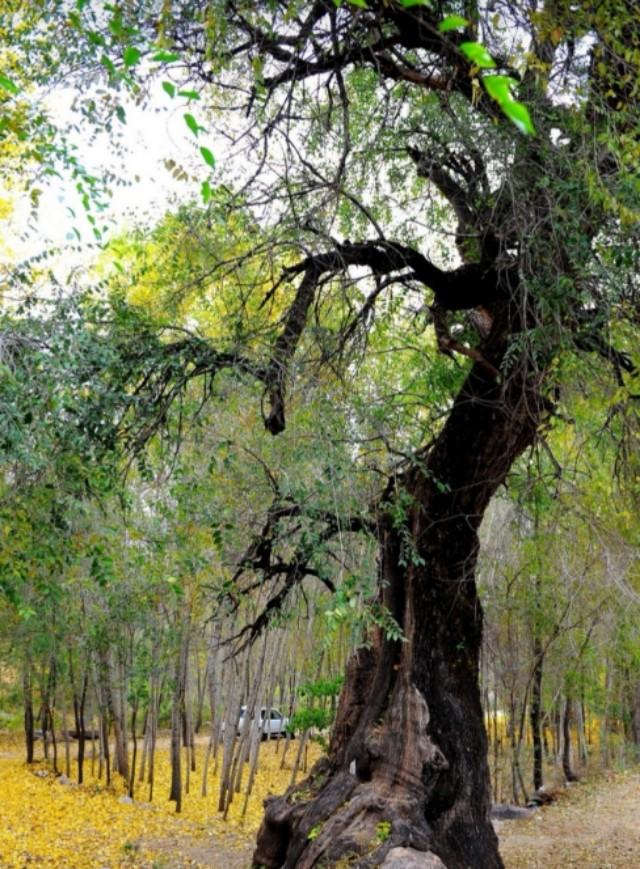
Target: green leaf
{"x": 519, "y": 114}
{"x": 477, "y": 54}
{"x": 452, "y": 22}
{"x": 131, "y": 56}
{"x": 409, "y": 3}
{"x": 106, "y": 62}
{"x": 121, "y": 115}
{"x": 191, "y": 122}
{"x": 499, "y": 87}
{"x": 8, "y": 85}
{"x": 208, "y": 157}
{"x": 205, "y": 191}
{"x": 169, "y": 88}
{"x": 361, "y": 4}
{"x": 190, "y": 95}
{"x": 115, "y": 25}
{"x": 165, "y": 56}
{"x": 96, "y": 38}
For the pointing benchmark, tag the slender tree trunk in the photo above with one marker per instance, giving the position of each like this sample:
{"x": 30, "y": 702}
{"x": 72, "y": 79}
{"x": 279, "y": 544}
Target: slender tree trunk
{"x": 134, "y": 737}
{"x": 497, "y": 742}
{"x": 214, "y": 685}
{"x": 635, "y": 713}
{"x": 201, "y": 689}
{"x": 105, "y": 754}
{"x": 146, "y": 739}
{"x": 54, "y": 741}
{"x": 409, "y": 746}
{"x": 78, "y": 715}
{"x": 114, "y": 672}
{"x": 65, "y": 734}
{"x": 153, "y": 723}
{"x": 27, "y": 687}
{"x": 178, "y": 712}
{"x": 581, "y": 733}
{"x": 175, "y": 793}
{"x": 535, "y": 712}
{"x": 567, "y": 769}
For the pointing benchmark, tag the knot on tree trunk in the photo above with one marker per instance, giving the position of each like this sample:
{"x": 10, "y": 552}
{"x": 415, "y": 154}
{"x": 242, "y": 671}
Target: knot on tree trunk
{"x": 400, "y": 751}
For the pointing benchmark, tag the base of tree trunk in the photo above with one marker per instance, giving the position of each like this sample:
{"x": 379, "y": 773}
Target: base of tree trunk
{"x": 374, "y": 811}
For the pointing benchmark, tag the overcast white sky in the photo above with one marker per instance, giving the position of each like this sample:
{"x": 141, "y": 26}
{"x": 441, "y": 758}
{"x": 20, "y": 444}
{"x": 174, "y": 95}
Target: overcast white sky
{"x": 151, "y": 135}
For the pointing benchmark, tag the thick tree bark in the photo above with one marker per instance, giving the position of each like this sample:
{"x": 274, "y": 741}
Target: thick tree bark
{"x": 409, "y": 747}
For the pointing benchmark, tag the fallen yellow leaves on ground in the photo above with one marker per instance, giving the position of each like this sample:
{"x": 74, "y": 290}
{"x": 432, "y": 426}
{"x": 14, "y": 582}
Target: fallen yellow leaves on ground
{"x": 46, "y": 823}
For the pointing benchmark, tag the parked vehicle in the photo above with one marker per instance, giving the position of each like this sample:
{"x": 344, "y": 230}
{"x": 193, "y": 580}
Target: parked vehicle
{"x": 273, "y": 725}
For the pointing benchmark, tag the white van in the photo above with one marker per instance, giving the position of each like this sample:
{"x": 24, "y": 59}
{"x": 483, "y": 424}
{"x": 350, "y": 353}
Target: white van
{"x": 275, "y": 725}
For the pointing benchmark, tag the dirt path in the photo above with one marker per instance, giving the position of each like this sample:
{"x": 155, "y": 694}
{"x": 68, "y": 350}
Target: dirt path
{"x": 234, "y": 852}
{"x": 595, "y": 826}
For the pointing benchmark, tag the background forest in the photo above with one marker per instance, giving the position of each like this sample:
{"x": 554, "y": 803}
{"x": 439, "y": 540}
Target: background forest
{"x": 164, "y": 558}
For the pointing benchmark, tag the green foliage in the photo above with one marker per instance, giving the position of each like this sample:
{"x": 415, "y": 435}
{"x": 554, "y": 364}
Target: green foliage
{"x": 383, "y": 831}
{"x": 315, "y": 831}
{"x": 322, "y": 688}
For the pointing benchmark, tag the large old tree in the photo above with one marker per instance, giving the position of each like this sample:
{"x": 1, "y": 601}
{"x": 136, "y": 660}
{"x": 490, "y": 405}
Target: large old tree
{"x": 380, "y": 147}
{"x": 350, "y": 104}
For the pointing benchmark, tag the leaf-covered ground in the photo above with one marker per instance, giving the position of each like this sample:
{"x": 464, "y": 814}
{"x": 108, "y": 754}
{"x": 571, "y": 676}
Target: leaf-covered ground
{"x": 594, "y": 825}
{"x": 45, "y": 823}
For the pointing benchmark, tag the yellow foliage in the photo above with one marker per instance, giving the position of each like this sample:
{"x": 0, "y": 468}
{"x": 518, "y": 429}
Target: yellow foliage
{"x": 62, "y": 826}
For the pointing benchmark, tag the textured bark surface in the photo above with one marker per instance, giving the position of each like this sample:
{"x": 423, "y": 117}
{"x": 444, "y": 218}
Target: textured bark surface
{"x": 407, "y": 766}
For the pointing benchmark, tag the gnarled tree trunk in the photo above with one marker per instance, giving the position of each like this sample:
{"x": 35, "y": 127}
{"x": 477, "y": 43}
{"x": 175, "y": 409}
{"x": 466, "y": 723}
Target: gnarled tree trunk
{"x": 408, "y": 759}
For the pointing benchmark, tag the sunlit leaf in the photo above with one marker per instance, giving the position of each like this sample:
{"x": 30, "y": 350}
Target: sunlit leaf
{"x": 452, "y": 22}
{"x": 499, "y": 87}
{"x": 115, "y": 26}
{"x": 208, "y": 157}
{"x": 191, "y": 122}
{"x": 165, "y": 56}
{"x": 519, "y": 114}
{"x": 96, "y": 38}
{"x": 8, "y": 85}
{"x": 108, "y": 64}
{"x": 169, "y": 88}
{"x": 477, "y": 54}
{"x": 131, "y": 56}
